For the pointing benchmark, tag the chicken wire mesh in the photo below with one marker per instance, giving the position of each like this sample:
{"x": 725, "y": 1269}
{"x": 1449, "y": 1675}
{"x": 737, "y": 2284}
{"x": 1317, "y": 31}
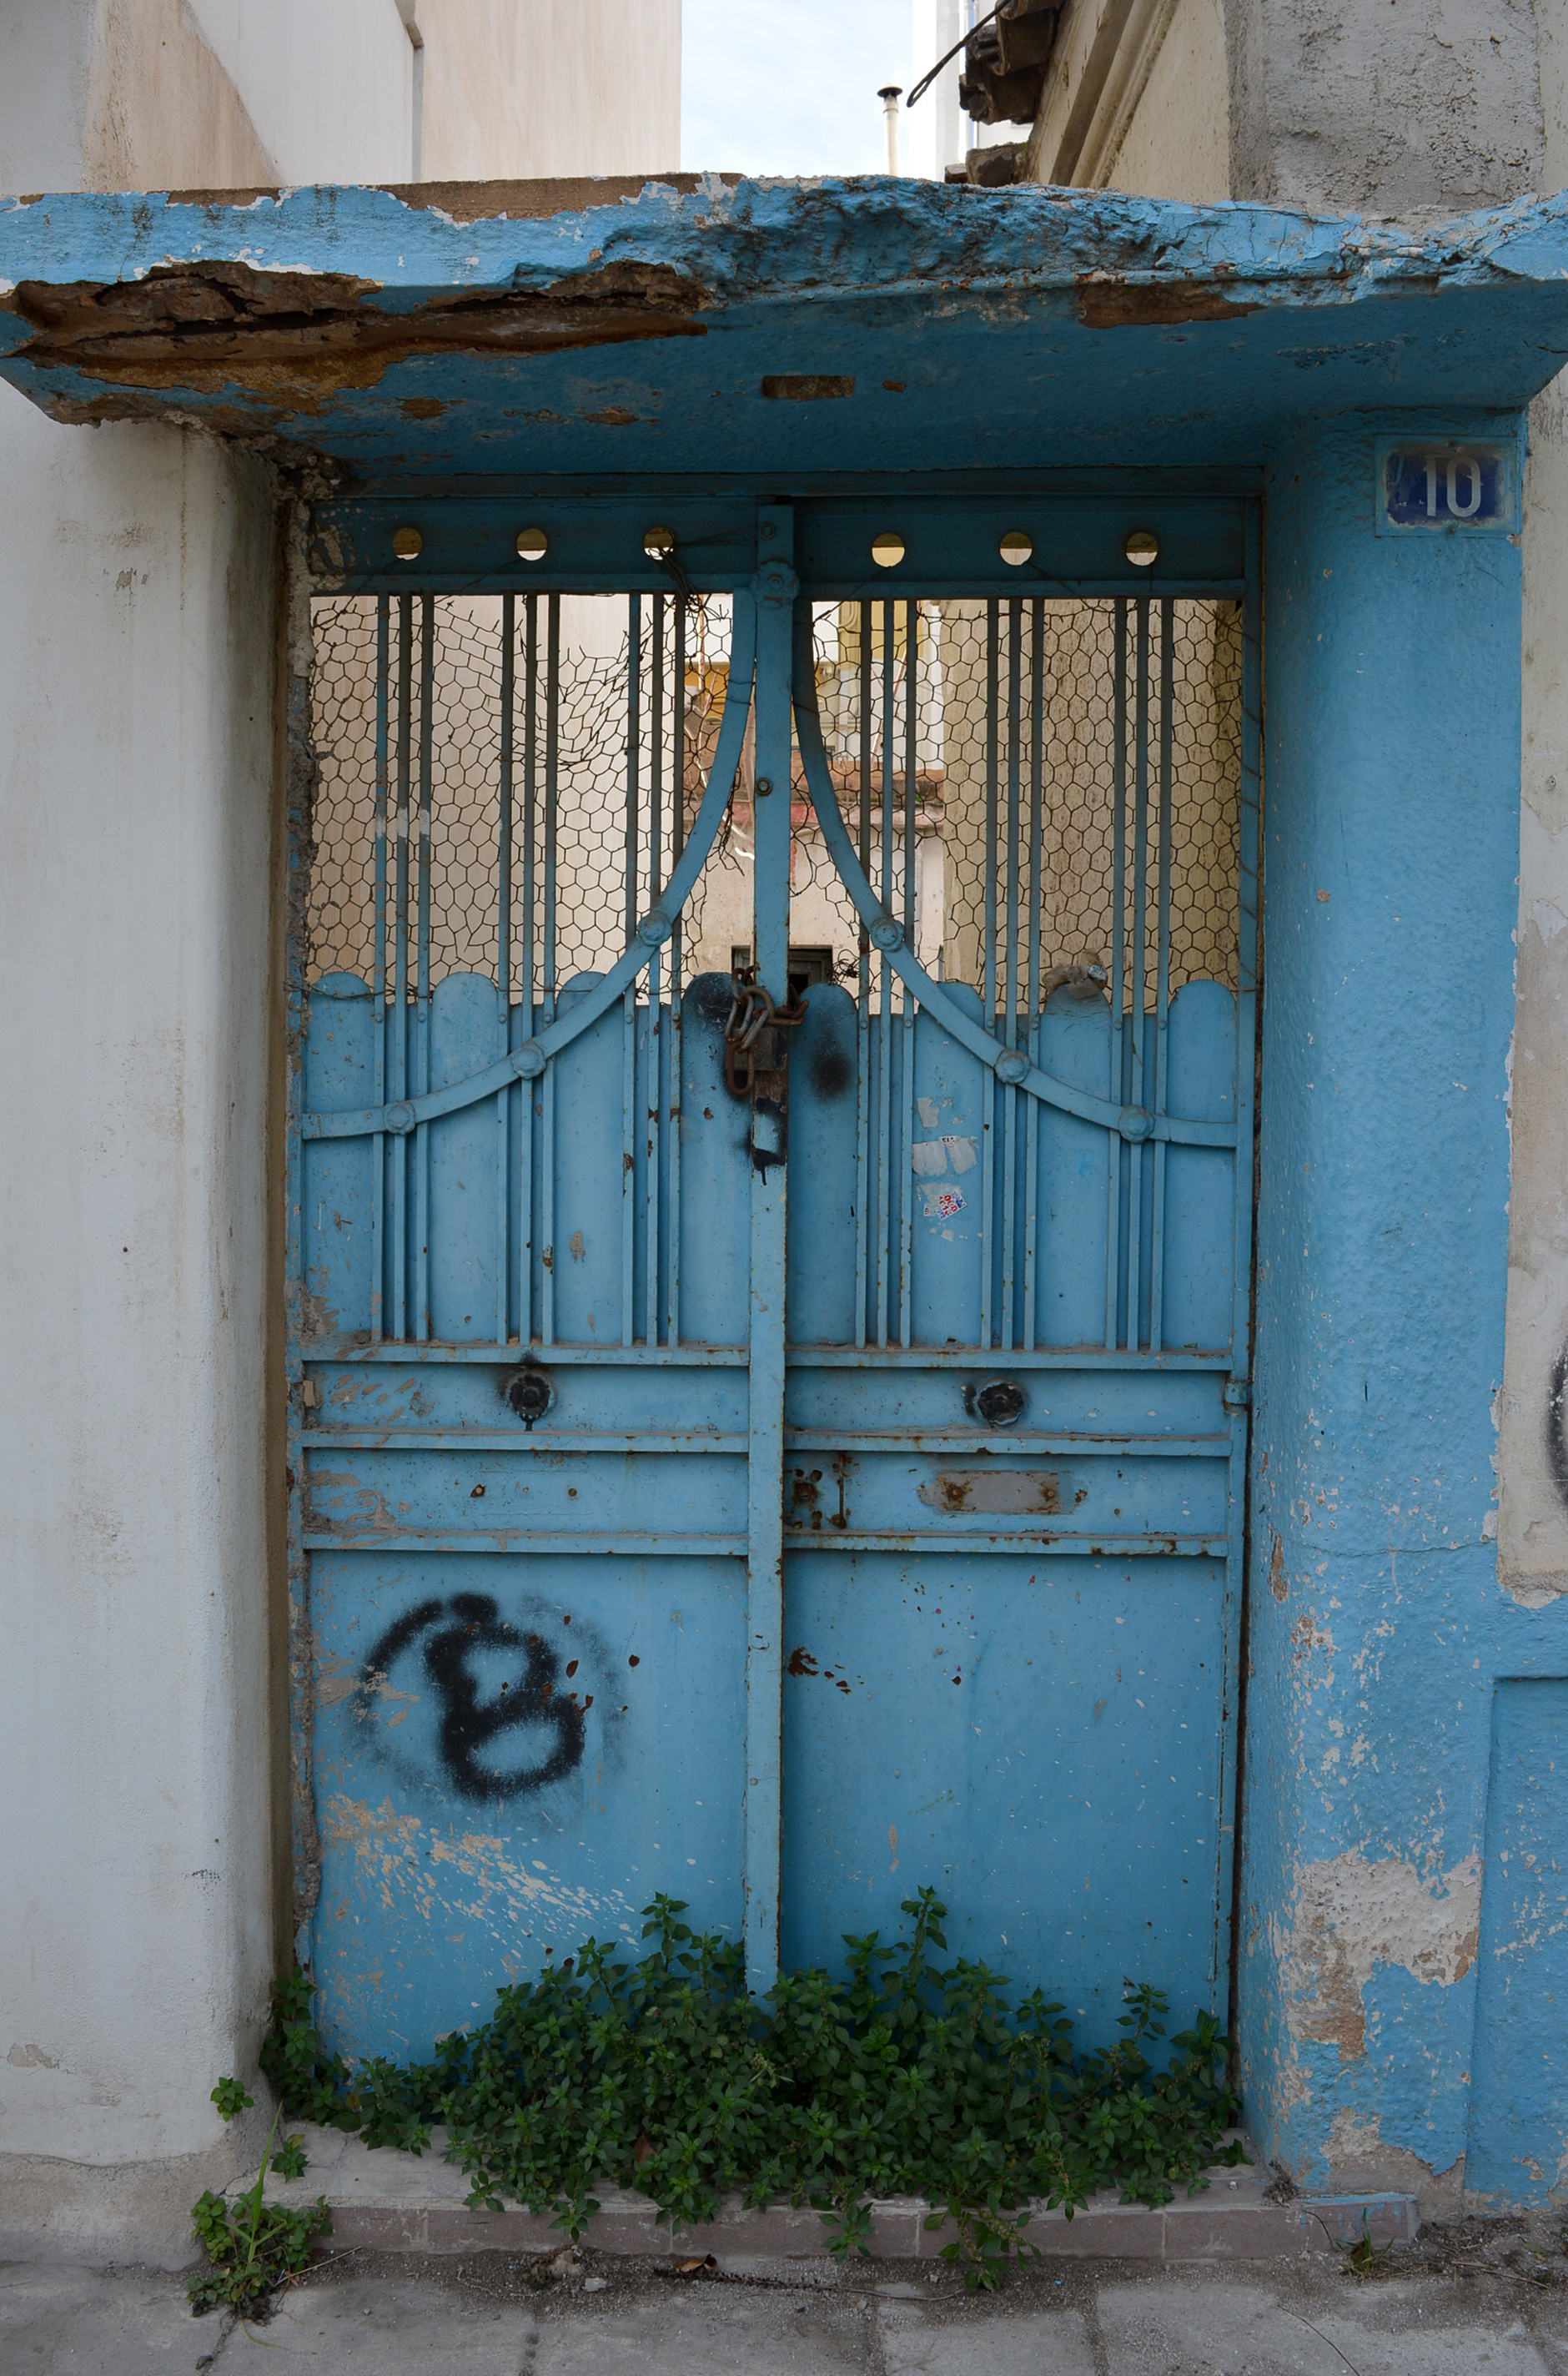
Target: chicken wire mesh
{"x": 1012, "y": 752}
{"x": 594, "y": 823}
{"x": 1010, "y": 756}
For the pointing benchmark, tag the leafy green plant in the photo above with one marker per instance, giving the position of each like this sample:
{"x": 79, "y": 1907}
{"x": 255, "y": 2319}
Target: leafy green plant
{"x": 662, "y": 2074}
{"x": 251, "y": 2245}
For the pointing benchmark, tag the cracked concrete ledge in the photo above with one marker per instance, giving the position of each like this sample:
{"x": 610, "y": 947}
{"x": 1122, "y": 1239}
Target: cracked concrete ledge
{"x": 439, "y": 333}
{"x": 388, "y": 2201}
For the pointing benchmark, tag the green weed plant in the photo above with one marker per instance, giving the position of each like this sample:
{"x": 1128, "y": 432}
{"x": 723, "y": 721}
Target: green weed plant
{"x": 663, "y": 2076}
{"x": 251, "y": 2245}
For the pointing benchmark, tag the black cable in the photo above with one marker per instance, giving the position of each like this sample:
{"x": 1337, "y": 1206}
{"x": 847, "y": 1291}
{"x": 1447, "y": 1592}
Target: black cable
{"x": 926, "y": 81}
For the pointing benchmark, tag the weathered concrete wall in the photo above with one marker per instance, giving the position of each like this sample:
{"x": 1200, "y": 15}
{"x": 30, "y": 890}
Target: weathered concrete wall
{"x": 1533, "y": 1412}
{"x": 1388, "y": 111}
{"x": 136, "y": 586}
{"x": 1178, "y": 142}
{"x": 1358, "y": 106}
{"x": 171, "y": 94}
{"x": 556, "y": 88}
{"x": 135, "y": 783}
{"x": 1377, "y": 1628}
{"x": 329, "y": 90}
{"x": 140, "y": 1697}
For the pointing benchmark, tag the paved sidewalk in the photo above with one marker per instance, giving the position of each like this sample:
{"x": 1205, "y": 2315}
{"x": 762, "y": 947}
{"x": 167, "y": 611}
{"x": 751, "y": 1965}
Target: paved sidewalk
{"x": 1500, "y": 2309}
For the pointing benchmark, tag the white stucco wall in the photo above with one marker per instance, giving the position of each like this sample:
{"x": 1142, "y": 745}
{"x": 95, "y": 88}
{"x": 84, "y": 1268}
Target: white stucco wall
{"x": 1178, "y": 143}
{"x": 137, "y": 1861}
{"x": 329, "y": 89}
{"x": 135, "y": 770}
{"x": 142, "y": 1751}
{"x": 1533, "y": 1502}
{"x": 535, "y": 88}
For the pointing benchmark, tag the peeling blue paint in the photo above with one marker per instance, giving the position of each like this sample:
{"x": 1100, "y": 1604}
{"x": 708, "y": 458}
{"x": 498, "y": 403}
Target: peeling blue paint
{"x": 1036, "y": 329}
{"x": 1379, "y": 1629}
{"x": 1025, "y": 325}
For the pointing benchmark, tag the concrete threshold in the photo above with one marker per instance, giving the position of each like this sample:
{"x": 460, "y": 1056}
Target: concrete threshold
{"x": 387, "y": 2202}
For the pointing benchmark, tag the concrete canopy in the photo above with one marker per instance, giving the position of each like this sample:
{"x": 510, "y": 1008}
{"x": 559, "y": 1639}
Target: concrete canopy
{"x": 706, "y": 324}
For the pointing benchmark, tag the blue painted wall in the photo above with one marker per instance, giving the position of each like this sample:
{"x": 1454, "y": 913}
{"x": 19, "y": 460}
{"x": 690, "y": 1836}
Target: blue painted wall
{"x": 1105, "y": 332}
{"x": 1519, "y": 2077}
{"x": 1377, "y": 1627}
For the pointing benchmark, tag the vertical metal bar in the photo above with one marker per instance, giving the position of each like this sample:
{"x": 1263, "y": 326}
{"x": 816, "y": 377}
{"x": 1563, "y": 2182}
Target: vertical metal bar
{"x": 862, "y": 1002}
{"x": 549, "y": 986}
{"x": 904, "y": 1167}
{"x": 629, "y": 997}
{"x": 398, "y": 1068}
{"x": 988, "y": 1087}
{"x": 633, "y": 753}
{"x": 1238, "y": 1391}
{"x": 655, "y": 1016}
{"x": 503, "y": 973}
{"x": 1010, "y": 1035}
{"x": 1247, "y": 941}
{"x": 526, "y": 1091}
{"x": 421, "y": 983}
{"x": 1158, "y": 1098}
{"x": 1113, "y": 1089}
{"x": 884, "y": 991}
{"x": 677, "y": 842}
{"x": 298, "y": 690}
{"x": 1036, "y": 796}
{"x": 378, "y": 983}
{"x": 1139, "y": 928}
{"x": 992, "y": 729}
{"x": 765, "y": 1479}
{"x": 1033, "y": 1111}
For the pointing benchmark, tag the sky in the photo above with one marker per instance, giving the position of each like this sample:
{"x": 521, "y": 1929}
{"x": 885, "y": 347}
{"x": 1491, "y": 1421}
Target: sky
{"x": 789, "y": 86}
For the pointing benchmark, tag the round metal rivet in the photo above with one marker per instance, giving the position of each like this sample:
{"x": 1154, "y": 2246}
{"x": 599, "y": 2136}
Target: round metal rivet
{"x": 1141, "y": 547}
{"x": 1135, "y": 1122}
{"x": 887, "y": 550}
{"x": 407, "y": 544}
{"x": 1012, "y": 1066}
{"x": 533, "y": 544}
{"x": 764, "y": 786}
{"x": 400, "y": 1119}
{"x": 886, "y": 934}
{"x": 654, "y": 928}
{"x": 658, "y": 541}
{"x": 529, "y": 1060}
{"x": 1016, "y": 548}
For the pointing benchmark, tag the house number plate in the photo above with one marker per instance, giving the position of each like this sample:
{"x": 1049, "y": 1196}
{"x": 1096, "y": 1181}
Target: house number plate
{"x": 1432, "y": 484}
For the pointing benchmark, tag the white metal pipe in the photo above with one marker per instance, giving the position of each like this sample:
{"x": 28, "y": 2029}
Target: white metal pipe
{"x": 890, "y": 94}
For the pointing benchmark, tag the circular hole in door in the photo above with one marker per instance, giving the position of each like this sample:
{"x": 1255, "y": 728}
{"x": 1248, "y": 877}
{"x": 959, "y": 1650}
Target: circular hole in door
{"x": 407, "y": 544}
{"x": 658, "y": 541}
{"x": 1016, "y": 547}
{"x": 1141, "y": 547}
{"x": 529, "y": 1393}
{"x": 887, "y": 550}
{"x": 533, "y": 544}
{"x": 1000, "y": 1402}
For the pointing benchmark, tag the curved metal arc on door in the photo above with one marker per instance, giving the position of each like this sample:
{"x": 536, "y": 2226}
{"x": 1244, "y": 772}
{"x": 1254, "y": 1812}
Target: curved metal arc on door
{"x": 528, "y": 1061}
{"x": 887, "y": 934}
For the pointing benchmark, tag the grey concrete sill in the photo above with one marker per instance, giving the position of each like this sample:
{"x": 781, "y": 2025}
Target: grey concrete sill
{"x": 390, "y": 2202}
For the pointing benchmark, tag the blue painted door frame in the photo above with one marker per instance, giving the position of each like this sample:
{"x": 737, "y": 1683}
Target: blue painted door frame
{"x": 654, "y": 1528}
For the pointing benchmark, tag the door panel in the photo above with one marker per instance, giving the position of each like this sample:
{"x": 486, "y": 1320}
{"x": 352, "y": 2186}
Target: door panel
{"x": 657, "y": 1522}
{"x": 461, "y": 1844}
{"x": 1034, "y": 1738}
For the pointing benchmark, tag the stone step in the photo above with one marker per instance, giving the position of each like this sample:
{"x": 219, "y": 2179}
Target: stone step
{"x": 387, "y": 2202}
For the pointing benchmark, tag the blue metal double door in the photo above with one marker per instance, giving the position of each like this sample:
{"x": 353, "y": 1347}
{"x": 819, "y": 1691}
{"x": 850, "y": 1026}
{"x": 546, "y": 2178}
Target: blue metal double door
{"x": 772, "y": 1430}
